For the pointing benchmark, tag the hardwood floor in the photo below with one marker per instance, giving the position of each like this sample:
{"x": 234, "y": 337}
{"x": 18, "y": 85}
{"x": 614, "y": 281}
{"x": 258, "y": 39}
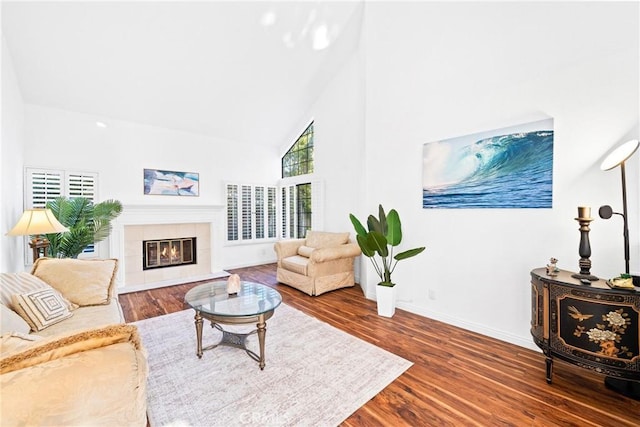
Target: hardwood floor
{"x": 458, "y": 377}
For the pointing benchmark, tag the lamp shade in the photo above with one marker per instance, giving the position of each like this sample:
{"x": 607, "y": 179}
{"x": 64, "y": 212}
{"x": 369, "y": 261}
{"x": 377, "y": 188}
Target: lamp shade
{"x": 619, "y": 155}
{"x": 37, "y": 221}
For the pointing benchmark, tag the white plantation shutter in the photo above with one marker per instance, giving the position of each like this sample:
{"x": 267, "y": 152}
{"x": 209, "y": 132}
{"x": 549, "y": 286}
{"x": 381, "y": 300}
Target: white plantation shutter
{"x": 44, "y": 185}
{"x": 259, "y": 212}
{"x": 272, "y": 212}
{"x": 232, "y": 212}
{"x": 247, "y": 223}
{"x": 81, "y": 185}
{"x": 251, "y": 212}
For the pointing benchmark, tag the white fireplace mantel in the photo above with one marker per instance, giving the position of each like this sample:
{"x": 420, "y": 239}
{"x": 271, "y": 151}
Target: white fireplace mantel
{"x": 166, "y": 214}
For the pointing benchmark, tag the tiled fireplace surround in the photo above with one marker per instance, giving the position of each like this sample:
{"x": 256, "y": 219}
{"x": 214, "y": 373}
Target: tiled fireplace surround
{"x": 151, "y": 222}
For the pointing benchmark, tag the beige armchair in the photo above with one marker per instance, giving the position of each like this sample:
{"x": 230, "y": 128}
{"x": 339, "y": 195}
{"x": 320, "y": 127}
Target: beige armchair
{"x": 320, "y": 263}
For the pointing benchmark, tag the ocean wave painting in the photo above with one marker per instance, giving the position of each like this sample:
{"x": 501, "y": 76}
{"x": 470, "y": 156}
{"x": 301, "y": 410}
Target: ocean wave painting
{"x": 504, "y": 168}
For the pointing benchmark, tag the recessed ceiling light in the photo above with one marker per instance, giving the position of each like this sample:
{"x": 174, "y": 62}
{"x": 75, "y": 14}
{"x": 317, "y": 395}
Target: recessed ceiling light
{"x": 101, "y": 124}
{"x": 321, "y": 37}
{"x": 268, "y": 19}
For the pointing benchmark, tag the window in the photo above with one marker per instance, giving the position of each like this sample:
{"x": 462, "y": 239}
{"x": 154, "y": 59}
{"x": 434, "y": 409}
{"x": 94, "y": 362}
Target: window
{"x": 299, "y": 159}
{"x": 297, "y": 215}
{"x": 296, "y": 197}
{"x": 251, "y": 212}
{"x": 44, "y": 185}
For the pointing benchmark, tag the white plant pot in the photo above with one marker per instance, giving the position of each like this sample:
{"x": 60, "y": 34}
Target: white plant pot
{"x": 386, "y": 297}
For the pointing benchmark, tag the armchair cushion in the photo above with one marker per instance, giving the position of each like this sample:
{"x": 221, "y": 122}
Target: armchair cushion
{"x": 297, "y": 264}
{"x": 324, "y": 239}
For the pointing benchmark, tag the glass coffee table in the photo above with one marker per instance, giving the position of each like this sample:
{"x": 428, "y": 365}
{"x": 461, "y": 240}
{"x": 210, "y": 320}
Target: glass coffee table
{"x": 253, "y": 303}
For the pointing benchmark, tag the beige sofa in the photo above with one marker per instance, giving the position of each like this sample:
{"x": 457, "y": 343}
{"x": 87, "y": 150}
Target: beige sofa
{"x": 67, "y": 358}
{"x": 320, "y": 263}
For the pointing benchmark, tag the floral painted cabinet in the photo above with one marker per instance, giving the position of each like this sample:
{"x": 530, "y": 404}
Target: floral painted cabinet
{"x": 592, "y": 326}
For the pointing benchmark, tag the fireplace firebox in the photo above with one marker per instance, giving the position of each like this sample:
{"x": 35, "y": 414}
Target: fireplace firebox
{"x": 168, "y": 252}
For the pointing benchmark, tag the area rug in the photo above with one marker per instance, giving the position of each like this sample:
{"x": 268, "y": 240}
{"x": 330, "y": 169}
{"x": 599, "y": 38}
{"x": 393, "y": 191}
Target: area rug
{"x": 315, "y": 374}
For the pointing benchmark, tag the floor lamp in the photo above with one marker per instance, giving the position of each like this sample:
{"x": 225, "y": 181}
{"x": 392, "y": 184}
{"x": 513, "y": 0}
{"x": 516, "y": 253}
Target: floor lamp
{"x": 618, "y": 157}
{"x": 35, "y": 223}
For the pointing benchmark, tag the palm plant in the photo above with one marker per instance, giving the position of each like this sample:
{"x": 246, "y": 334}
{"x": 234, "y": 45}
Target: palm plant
{"x": 384, "y": 233}
{"x": 88, "y": 223}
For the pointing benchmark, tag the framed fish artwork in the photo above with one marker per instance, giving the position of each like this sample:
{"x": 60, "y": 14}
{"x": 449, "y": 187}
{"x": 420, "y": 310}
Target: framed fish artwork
{"x": 171, "y": 183}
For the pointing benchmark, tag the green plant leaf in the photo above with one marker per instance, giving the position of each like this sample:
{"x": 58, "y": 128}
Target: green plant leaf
{"x": 379, "y": 242}
{"x": 87, "y": 223}
{"x": 363, "y": 242}
{"x": 394, "y": 229}
{"x": 383, "y": 220}
{"x": 357, "y": 225}
{"x": 373, "y": 224}
{"x": 408, "y": 254}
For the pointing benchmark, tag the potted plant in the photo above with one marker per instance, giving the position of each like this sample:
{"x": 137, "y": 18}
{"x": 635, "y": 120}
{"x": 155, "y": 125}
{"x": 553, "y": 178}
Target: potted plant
{"x": 88, "y": 224}
{"x": 384, "y": 233}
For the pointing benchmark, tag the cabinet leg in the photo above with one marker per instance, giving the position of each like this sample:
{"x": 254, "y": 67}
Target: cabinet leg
{"x": 549, "y": 361}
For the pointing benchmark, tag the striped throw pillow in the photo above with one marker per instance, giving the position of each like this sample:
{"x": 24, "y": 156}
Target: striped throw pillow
{"x": 19, "y": 283}
{"x": 41, "y": 308}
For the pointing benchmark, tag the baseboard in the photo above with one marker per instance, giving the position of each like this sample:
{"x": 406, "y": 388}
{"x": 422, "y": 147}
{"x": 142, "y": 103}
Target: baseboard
{"x": 146, "y": 286}
{"x": 469, "y": 326}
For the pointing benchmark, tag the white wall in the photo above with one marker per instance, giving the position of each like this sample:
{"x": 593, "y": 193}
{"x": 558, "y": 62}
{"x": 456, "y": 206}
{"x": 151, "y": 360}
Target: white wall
{"x": 441, "y": 70}
{"x": 338, "y": 116}
{"x": 119, "y": 153}
{"x": 11, "y": 190}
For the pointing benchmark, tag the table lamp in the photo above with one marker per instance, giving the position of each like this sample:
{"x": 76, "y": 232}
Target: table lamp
{"x": 618, "y": 157}
{"x": 36, "y": 222}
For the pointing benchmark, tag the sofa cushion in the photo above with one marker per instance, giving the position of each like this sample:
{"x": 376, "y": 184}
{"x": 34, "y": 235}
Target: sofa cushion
{"x": 305, "y": 251}
{"x": 15, "y": 342}
{"x": 41, "y": 308}
{"x": 10, "y": 321}
{"x": 94, "y": 316}
{"x": 325, "y": 239}
{"x": 18, "y": 283}
{"x": 81, "y": 281}
{"x": 297, "y": 264}
{"x": 58, "y": 347}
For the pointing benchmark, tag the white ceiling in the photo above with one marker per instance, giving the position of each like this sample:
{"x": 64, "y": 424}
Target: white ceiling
{"x": 212, "y": 68}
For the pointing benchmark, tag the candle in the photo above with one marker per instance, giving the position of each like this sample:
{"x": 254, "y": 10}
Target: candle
{"x": 584, "y": 212}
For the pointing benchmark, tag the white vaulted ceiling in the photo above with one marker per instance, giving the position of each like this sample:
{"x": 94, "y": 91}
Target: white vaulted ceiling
{"x": 238, "y": 70}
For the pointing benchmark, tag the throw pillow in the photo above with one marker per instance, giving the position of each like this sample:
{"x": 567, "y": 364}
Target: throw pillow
{"x": 10, "y": 321}
{"x": 82, "y": 281}
{"x": 305, "y": 251}
{"x": 41, "y": 308}
{"x": 18, "y": 283}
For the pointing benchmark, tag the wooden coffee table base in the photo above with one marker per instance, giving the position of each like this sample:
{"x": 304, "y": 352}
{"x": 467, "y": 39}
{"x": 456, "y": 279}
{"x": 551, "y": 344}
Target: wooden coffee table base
{"x": 233, "y": 339}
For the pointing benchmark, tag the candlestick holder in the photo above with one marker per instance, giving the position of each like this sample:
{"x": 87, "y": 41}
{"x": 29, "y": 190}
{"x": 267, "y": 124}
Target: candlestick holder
{"x": 584, "y": 250}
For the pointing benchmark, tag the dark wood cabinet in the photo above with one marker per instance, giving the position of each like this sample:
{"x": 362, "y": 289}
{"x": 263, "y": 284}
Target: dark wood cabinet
{"x": 592, "y": 326}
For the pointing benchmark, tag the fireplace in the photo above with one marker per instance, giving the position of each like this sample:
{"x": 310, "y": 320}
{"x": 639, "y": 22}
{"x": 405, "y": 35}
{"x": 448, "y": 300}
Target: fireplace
{"x": 155, "y": 222}
{"x": 168, "y": 252}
